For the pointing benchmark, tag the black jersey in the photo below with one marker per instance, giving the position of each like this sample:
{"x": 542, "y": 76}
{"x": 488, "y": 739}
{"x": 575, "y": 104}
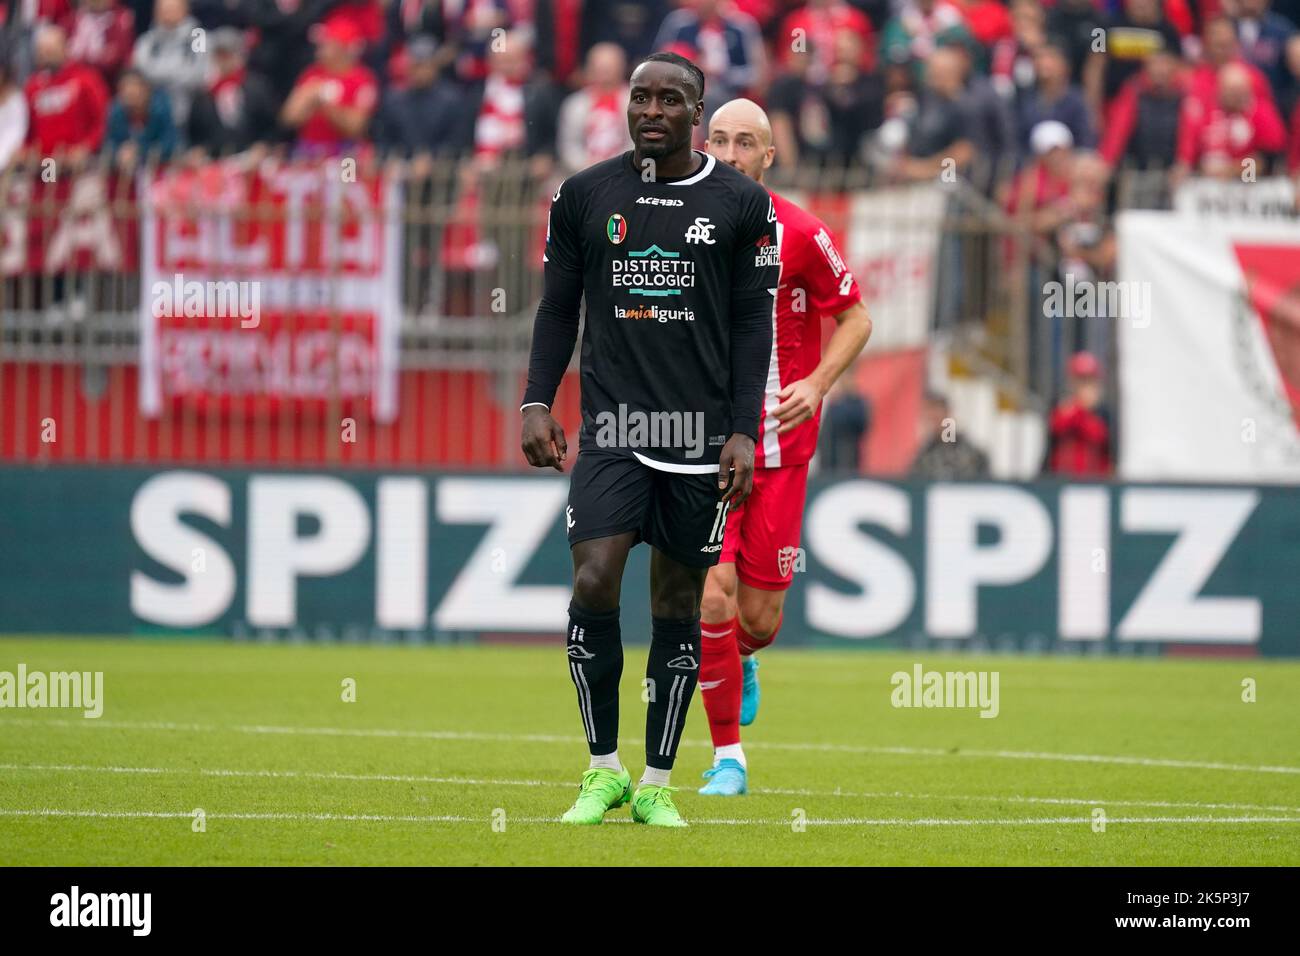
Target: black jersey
{"x": 679, "y": 277}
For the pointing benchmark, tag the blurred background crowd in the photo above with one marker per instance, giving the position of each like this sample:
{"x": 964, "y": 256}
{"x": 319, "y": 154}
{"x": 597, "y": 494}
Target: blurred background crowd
{"x": 1005, "y": 93}
{"x": 1042, "y": 111}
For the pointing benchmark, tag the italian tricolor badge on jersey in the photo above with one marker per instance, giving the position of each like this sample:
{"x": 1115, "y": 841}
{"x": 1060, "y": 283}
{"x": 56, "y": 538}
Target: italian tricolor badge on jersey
{"x": 616, "y": 229}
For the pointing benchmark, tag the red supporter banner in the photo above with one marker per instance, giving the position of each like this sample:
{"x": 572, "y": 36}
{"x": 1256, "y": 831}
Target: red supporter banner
{"x": 74, "y": 223}
{"x": 278, "y": 283}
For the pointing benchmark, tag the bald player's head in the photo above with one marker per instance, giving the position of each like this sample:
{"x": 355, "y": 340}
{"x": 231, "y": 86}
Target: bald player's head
{"x": 741, "y": 136}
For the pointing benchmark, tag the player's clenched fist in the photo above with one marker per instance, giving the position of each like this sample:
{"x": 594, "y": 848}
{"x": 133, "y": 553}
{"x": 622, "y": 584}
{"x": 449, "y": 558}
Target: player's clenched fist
{"x": 543, "y": 439}
{"x": 737, "y": 463}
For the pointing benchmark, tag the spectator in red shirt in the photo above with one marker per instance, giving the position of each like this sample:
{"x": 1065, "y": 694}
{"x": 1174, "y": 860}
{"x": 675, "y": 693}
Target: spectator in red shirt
{"x": 1240, "y": 126}
{"x": 102, "y": 34}
{"x": 1222, "y": 48}
{"x": 364, "y": 16}
{"x": 811, "y": 30}
{"x": 67, "y": 102}
{"x": 1039, "y": 193}
{"x": 1078, "y": 444}
{"x": 989, "y": 20}
{"x": 332, "y": 102}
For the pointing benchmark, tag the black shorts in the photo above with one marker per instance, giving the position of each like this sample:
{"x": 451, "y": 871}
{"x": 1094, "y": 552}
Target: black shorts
{"x": 682, "y": 515}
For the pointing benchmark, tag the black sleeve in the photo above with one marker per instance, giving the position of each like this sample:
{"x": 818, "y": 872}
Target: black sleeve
{"x": 783, "y": 96}
{"x": 199, "y": 128}
{"x": 753, "y": 291}
{"x": 541, "y": 116}
{"x": 862, "y": 420}
{"x": 555, "y": 328}
{"x": 263, "y": 110}
{"x": 387, "y": 127}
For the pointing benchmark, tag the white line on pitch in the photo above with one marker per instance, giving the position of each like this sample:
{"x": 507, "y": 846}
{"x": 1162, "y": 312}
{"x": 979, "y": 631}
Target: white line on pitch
{"x": 568, "y": 784}
{"x": 488, "y": 820}
{"x": 1120, "y": 759}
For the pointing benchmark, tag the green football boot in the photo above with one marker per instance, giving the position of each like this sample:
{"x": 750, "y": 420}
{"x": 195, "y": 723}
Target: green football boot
{"x": 601, "y": 791}
{"x": 654, "y": 805}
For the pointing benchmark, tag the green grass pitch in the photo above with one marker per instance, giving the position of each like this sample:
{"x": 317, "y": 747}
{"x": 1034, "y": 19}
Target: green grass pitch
{"x": 468, "y": 755}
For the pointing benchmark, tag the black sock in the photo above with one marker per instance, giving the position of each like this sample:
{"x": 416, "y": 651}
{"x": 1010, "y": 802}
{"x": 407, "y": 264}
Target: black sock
{"x": 595, "y": 649}
{"x": 671, "y": 673}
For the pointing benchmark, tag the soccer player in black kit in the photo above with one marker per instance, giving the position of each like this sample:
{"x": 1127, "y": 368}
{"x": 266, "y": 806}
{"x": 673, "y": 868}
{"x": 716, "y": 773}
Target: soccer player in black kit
{"x": 675, "y": 255}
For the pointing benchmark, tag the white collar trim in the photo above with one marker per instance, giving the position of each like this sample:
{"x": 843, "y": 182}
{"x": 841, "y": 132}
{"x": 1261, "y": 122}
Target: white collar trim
{"x": 704, "y": 171}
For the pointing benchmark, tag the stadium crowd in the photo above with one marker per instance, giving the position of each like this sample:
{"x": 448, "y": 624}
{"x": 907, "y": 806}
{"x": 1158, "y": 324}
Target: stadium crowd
{"x": 1037, "y": 103}
{"x": 1013, "y": 90}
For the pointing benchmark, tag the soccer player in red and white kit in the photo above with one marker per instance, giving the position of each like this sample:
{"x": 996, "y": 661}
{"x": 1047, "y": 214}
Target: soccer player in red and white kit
{"x": 745, "y": 592}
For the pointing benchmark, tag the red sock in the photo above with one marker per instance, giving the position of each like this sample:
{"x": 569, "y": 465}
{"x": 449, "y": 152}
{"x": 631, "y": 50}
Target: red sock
{"x": 747, "y": 643}
{"x": 720, "y": 681}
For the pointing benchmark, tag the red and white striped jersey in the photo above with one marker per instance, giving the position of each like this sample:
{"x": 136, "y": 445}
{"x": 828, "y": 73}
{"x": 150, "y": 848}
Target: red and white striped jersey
{"x": 815, "y": 282}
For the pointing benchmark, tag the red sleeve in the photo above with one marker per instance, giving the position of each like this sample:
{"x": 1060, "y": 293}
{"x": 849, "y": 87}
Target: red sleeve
{"x": 1293, "y": 157}
{"x": 366, "y": 97}
{"x": 1073, "y": 419}
{"x": 29, "y": 93}
{"x": 862, "y": 26}
{"x": 1062, "y": 420}
{"x": 1190, "y": 119}
{"x": 832, "y": 287}
{"x": 121, "y": 40}
{"x": 1260, "y": 86}
{"x": 784, "y": 48}
{"x": 1270, "y": 134}
{"x": 1270, "y": 128}
{"x": 95, "y": 98}
{"x": 1091, "y": 428}
{"x": 1179, "y": 15}
{"x": 1120, "y": 121}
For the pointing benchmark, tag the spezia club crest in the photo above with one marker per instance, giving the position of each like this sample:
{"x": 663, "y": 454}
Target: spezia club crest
{"x": 616, "y": 229}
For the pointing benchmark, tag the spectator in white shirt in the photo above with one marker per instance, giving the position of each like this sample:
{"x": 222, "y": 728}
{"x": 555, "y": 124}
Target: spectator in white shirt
{"x": 13, "y": 114}
{"x": 167, "y": 57}
{"x": 593, "y": 120}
